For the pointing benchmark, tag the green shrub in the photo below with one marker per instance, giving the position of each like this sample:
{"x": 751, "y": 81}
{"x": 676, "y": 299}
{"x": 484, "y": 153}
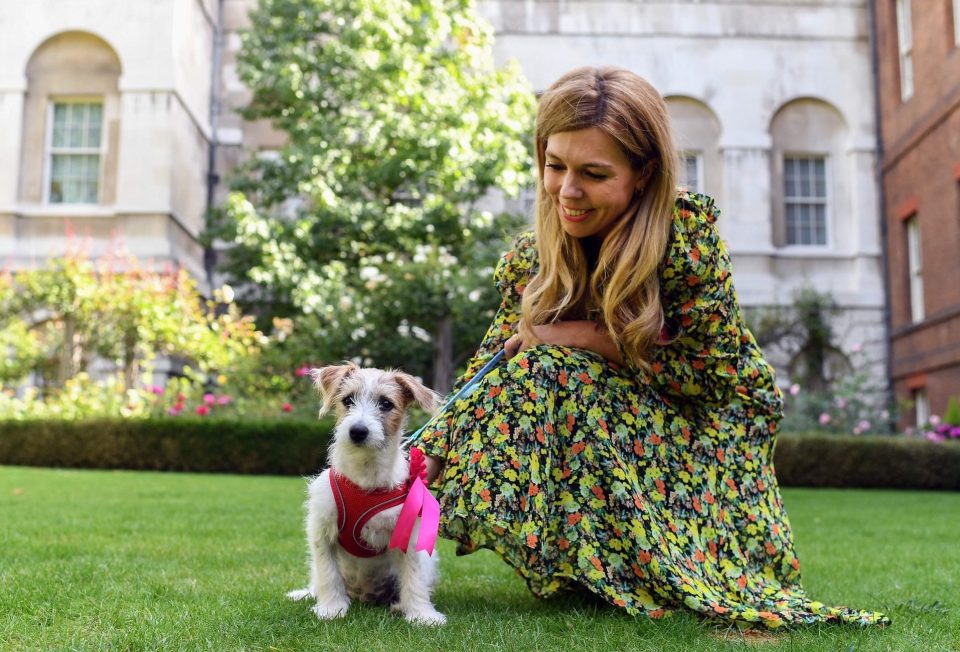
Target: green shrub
{"x": 281, "y": 447}
{"x": 289, "y": 447}
{"x": 875, "y": 461}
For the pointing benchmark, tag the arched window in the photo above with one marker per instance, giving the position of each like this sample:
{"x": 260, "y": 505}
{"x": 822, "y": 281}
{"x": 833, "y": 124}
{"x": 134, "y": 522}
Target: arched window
{"x": 697, "y": 131}
{"x": 71, "y": 122}
{"x": 809, "y": 138}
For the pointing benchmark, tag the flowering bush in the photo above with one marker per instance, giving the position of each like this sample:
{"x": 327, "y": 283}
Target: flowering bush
{"x": 854, "y": 403}
{"x": 948, "y": 428}
{"x": 87, "y": 333}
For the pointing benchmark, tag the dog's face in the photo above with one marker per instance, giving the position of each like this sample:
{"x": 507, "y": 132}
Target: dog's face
{"x": 370, "y": 404}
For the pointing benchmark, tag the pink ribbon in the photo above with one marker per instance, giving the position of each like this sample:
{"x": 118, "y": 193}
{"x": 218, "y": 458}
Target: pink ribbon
{"x": 420, "y": 502}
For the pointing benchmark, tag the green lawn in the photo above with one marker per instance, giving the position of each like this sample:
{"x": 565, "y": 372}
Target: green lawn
{"x": 150, "y": 561}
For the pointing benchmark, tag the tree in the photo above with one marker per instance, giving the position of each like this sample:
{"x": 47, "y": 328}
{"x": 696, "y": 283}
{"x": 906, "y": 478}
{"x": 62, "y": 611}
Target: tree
{"x": 366, "y": 222}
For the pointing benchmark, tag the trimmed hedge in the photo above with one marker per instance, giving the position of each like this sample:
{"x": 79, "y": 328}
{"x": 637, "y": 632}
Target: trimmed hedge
{"x": 280, "y": 447}
{"x": 286, "y": 447}
{"x": 871, "y": 461}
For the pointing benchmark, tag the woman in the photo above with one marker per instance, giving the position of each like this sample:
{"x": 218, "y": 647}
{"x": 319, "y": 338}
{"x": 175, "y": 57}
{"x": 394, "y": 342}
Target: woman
{"x": 627, "y": 443}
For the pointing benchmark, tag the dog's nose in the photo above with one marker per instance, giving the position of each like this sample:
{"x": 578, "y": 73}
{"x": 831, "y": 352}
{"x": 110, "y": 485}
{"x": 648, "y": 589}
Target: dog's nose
{"x": 358, "y": 433}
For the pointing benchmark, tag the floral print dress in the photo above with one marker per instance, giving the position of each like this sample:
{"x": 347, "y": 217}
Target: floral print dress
{"x": 654, "y": 490}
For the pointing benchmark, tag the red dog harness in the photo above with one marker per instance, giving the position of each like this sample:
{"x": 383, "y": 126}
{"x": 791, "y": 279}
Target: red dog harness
{"x": 356, "y": 506}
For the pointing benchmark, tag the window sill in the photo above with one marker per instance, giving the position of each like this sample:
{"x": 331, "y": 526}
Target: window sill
{"x": 67, "y": 210}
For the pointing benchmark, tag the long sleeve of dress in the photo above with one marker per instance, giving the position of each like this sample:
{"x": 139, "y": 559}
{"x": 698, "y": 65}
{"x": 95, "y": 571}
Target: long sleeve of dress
{"x": 713, "y": 357}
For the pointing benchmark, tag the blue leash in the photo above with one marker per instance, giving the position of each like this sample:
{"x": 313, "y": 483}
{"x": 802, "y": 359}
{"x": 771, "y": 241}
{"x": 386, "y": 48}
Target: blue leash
{"x": 466, "y": 390}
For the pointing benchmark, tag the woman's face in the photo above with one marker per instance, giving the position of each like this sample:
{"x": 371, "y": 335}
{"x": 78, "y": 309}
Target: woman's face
{"x": 590, "y": 180}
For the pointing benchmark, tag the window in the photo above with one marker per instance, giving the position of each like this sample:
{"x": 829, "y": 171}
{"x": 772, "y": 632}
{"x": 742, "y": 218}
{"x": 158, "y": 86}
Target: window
{"x": 905, "y": 48}
{"x": 922, "y": 406}
{"x": 805, "y": 199}
{"x": 691, "y": 171}
{"x": 915, "y": 266}
{"x": 74, "y": 153}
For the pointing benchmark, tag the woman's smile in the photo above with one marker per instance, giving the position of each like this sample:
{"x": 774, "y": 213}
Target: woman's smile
{"x": 576, "y": 214}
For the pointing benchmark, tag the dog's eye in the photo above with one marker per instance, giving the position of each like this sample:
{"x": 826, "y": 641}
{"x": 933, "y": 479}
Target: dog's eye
{"x": 347, "y": 401}
{"x": 385, "y": 404}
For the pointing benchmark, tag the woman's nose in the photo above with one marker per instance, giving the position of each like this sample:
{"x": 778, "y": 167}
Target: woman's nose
{"x": 570, "y": 187}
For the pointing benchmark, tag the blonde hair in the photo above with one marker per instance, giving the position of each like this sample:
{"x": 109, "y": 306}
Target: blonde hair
{"x": 624, "y": 288}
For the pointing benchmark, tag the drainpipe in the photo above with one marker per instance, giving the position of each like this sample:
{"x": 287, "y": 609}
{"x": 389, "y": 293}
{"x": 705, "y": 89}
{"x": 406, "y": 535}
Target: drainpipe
{"x": 881, "y": 196}
{"x": 213, "y": 178}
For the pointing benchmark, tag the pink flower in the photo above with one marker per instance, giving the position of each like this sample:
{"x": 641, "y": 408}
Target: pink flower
{"x": 156, "y": 389}
{"x": 174, "y": 411}
{"x": 824, "y": 419}
{"x": 864, "y": 425}
{"x": 286, "y": 407}
{"x": 209, "y": 399}
{"x": 794, "y": 389}
{"x": 934, "y": 420}
{"x": 302, "y": 371}
{"x": 840, "y": 403}
{"x": 203, "y": 410}
{"x": 224, "y": 400}
{"x": 857, "y": 430}
{"x": 181, "y": 398}
{"x": 934, "y": 437}
{"x": 857, "y": 348}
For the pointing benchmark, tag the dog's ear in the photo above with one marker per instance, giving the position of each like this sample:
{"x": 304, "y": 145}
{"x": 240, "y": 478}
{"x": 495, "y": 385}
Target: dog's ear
{"x": 417, "y": 391}
{"x": 327, "y": 380}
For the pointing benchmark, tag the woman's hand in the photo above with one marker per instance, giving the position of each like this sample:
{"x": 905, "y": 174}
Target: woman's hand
{"x": 579, "y": 334}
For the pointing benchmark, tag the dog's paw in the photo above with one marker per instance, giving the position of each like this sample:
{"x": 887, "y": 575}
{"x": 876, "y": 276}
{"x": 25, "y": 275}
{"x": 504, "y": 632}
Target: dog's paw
{"x": 431, "y": 617}
{"x": 300, "y": 594}
{"x": 331, "y": 610}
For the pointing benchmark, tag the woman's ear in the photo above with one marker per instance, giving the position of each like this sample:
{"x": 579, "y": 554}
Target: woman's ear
{"x": 646, "y": 173}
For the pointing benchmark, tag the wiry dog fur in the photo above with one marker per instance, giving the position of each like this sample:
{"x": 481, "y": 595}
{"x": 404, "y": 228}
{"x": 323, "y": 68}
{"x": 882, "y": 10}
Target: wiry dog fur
{"x": 371, "y": 407}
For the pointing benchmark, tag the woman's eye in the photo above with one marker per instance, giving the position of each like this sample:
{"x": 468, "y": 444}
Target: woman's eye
{"x": 385, "y": 404}
{"x": 594, "y": 175}
{"x": 347, "y": 401}
{"x": 554, "y": 166}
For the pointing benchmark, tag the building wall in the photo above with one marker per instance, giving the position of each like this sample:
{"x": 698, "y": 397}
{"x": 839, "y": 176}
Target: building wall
{"x": 921, "y": 177}
{"x": 153, "y": 161}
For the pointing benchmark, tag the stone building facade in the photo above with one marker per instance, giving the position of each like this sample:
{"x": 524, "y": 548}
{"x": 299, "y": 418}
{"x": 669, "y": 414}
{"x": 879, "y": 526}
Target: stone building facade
{"x": 918, "y": 64}
{"x": 117, "y": 117}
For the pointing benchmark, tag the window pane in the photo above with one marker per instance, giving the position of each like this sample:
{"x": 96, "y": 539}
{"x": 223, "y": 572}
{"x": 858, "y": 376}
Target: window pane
{"x": 75, "y": 178}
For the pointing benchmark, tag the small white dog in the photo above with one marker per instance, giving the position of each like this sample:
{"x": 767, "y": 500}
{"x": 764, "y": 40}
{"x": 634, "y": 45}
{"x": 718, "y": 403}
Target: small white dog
{"x": 348, "y": 536}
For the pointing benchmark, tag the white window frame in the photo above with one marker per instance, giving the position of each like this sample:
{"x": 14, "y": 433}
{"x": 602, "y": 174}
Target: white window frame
{"x": 915, "y": 268}
{"x": 698, "y": 158}
{"x": 825, "y": 201}
{"x": 905, "y": 48}
{"x": 49, "y": 152}
{"x": 922, "y": 406}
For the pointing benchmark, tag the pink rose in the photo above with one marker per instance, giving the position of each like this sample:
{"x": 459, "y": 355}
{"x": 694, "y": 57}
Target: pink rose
{"x": 203, "y": 410}
{"x": 824, "y": 419}
{"x": 209, "y": 399}
{"x": 224, "y": 400}
{"x": 286, "y": 407}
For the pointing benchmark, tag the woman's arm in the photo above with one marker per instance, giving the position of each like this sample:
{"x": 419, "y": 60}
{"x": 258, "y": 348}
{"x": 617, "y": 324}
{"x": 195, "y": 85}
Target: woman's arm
{"x": 580, "y": 334}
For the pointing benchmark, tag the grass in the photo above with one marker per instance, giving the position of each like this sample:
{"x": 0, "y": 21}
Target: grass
{"x": 94, "y": 560}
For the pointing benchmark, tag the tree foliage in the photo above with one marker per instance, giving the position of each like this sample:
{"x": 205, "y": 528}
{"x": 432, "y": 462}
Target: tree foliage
{"x": 367, "y": 221}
